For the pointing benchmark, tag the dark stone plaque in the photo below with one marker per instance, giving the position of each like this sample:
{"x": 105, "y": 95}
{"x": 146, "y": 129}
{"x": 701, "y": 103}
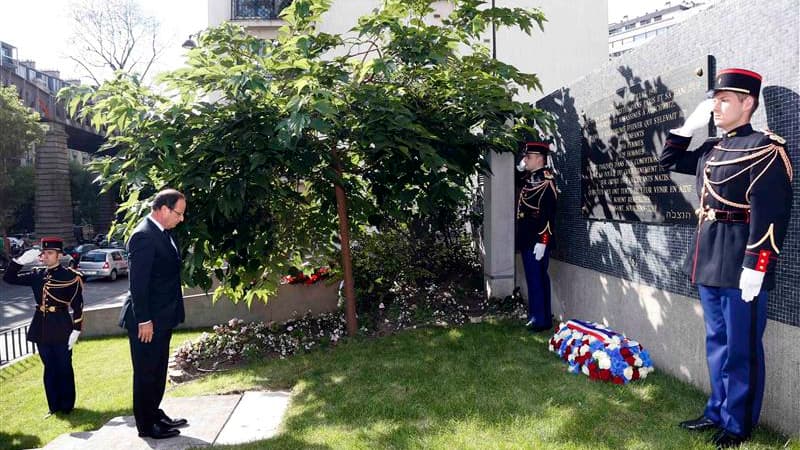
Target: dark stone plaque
{"x": 623, "y": 135}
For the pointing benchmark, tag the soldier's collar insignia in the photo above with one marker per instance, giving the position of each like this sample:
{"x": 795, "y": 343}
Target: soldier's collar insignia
{"x": 731, "y": 134}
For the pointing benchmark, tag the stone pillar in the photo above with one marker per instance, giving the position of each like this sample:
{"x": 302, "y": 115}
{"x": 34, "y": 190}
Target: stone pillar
{"x": 53, "y": 206}
{"x": 106, "y": 210}
{"x": 498, "y": 224}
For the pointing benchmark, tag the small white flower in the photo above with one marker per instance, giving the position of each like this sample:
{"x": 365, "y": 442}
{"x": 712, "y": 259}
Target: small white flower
{"x": 381, "y": 306}
{"x": 584, "y": 349}
{"x": 628, "y": 372}
{"x": 585, "y": 370}
{"x": 604, "y": 363}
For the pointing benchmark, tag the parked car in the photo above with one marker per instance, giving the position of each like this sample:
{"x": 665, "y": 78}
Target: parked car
{"x": 79, "y": 251}
{"x": 104, "y": 262}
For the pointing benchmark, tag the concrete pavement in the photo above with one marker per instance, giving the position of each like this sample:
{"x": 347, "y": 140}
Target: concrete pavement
{"x": 213, "y": 420}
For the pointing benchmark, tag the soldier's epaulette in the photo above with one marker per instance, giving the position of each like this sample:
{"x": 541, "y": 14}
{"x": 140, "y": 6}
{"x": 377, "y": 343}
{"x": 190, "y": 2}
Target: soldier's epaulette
{"x": 548, "y": 174}
{"x": 76, "y": 272}
{"x": 713, "y": 140}
{"x": 774, "y": 137}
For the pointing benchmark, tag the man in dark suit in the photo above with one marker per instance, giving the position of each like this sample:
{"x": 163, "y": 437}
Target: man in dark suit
{"x": 744, "y": 181}
{"x": 153, "y": 308}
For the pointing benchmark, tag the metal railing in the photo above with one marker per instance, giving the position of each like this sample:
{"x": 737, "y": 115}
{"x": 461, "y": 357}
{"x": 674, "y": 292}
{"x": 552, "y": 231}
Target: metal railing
{"x": 257, "y": 9}
{"x": 14, "y": 344}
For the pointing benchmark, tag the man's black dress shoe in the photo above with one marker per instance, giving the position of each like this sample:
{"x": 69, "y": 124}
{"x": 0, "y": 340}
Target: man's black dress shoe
{"x": 724, "y": 439}
{"x": 158, "y": 431}
{"x": 699, "y": 424}
{"x": 173, "y": 423}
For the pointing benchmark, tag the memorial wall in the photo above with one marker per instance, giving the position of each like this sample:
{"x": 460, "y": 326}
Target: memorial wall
{"x": 624, "y": 225}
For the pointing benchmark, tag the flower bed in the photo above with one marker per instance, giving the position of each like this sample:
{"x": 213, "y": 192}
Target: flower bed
{"x": 301, "y": 278}
{"x": 235, "y": 341}
{"x": 600, "y": 353}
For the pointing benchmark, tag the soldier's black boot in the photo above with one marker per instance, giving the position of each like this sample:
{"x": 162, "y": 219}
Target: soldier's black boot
{"x": 699, "y": 424}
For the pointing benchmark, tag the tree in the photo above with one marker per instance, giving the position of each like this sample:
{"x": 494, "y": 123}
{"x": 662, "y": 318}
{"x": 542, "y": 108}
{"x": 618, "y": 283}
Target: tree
{"x": 21, "y": 130}
{"x": 299, "y": 145}
{"x": 113, "y": 35}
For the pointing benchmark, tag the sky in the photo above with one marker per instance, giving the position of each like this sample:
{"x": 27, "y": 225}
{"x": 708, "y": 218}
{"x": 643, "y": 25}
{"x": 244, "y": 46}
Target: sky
{"x": 40, "y": 29}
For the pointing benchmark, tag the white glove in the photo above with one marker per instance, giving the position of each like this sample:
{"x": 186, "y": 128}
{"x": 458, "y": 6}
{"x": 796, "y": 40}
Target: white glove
{"x": 73, "y": 338}
{"x": 27, "y": 257}
{"x": 538, "y": 251}
{"x": 521, "y": 165}
{"x": 698, "y": 119}
{"x": 750, "y": 283}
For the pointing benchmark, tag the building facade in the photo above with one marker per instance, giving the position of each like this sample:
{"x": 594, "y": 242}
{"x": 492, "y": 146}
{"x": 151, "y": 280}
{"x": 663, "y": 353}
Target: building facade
{"x": 628, "y": 34}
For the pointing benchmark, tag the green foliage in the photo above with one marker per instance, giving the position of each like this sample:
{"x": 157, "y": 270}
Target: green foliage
{"x": 21, "y": 130}
{"x": 413, "y": 279}
{"x": 399, "y": 113}
{"x": 85, "y": 194}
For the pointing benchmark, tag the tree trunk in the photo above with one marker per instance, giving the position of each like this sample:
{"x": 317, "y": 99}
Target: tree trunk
{"x": 344, "y": 236}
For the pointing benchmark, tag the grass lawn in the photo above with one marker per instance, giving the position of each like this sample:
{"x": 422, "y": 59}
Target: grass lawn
{"x": 481, "y": 386}
{"x": 103, "y": 381}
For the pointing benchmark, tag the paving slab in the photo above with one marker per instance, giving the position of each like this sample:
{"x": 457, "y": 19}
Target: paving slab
{"x": 258, "y": 416}
{"x": 206, "y": 415}
{"x": 70, "y": 441}
{"x": 213, "y": 420}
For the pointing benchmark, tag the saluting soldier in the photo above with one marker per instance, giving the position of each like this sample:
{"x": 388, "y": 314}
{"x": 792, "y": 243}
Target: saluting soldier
{"x": 744, "y": 184}
{"x": 536, "y": 210}
{"x": 56, "y": 290}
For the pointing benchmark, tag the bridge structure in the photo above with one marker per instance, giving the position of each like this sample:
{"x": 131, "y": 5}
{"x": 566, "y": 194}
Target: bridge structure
{"x": 37, "y": 89}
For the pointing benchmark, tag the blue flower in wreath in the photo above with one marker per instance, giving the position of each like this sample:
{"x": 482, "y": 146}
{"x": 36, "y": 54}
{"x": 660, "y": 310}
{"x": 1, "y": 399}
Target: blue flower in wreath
{"x": 618, "y": 366}
{"x": 596, "y": 345}
{"x": 563, "y": 347}
{"x": 574, "y": 367}
{"x": 646, "y": 361}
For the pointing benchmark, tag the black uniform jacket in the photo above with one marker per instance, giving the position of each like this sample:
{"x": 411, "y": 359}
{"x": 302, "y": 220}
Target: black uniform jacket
{"x": 155, "y": 280}
{"x": 55, "y": 291}
{"x": 744, "y": 185}
{"x": 536, "y": 208}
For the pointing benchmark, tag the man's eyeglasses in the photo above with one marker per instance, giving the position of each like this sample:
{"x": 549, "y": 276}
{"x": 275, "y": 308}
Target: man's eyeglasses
{"x": 178, "y": 213}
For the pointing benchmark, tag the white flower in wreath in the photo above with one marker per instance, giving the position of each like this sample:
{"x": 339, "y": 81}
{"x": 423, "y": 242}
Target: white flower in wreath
{"x": 628, "y": 373}
{"x": 637, "y": 361}
{"x": 577, "y": 335}
{"x": 584, "y": 349}
{"x": 613, "y": 343}
{"x": 585, "y": 370}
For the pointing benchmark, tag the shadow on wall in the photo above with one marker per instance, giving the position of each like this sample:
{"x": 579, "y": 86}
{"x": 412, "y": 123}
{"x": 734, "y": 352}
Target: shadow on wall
{"x": 782, "y": 107}
{"x": 626, "y": 247}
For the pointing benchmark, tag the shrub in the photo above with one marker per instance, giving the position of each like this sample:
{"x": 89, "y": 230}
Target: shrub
{"x": 235, "y": 341}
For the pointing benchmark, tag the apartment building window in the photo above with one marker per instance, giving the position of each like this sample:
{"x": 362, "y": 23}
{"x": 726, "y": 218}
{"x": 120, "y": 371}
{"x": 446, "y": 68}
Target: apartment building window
{"x": 257, "y": 9}
{"x": 631, "y": 26}
{"x": 657, "y": 18}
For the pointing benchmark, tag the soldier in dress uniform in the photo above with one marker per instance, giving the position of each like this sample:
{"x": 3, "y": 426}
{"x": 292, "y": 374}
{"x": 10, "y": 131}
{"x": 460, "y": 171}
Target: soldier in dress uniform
{"x": 536, "y": 209}
{"x": 744, "y": 184}
{"x": 56, "y": 290}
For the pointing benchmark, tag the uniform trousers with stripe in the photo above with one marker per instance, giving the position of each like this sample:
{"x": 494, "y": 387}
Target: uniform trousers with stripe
{"x": 59, "y": 378}
{"x": 735, "y": 355}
